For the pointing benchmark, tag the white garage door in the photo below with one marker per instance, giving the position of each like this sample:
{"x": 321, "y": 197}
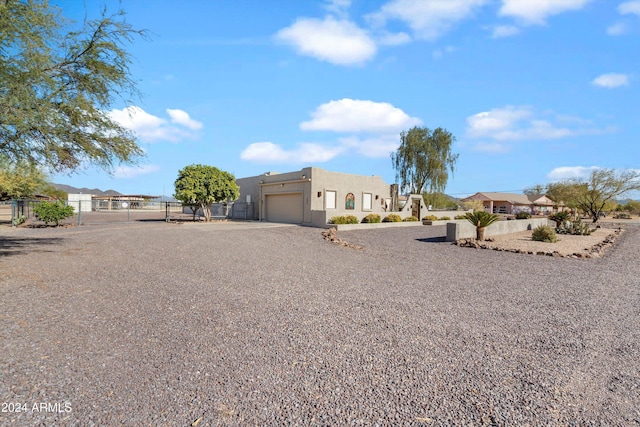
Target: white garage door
{"x": 284, "y": 208}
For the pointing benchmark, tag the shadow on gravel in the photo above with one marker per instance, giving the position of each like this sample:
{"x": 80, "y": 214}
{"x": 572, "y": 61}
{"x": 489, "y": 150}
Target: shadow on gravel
{"x": 439, "y": 239}
{"x": 20, "y": 246}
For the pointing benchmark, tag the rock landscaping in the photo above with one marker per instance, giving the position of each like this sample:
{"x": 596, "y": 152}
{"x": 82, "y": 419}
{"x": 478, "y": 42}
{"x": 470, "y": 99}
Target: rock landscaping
{"x": 566, "y": 247}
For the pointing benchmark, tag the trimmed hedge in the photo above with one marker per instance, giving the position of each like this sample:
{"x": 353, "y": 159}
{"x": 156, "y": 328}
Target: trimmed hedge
{"x": 392, "y": 218}
{"x": 343, "y": 219}
{"x": 371, "y": 219}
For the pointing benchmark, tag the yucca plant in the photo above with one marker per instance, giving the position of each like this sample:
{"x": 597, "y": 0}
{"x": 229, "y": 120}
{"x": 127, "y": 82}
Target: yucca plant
{"x": 481, "y": 220}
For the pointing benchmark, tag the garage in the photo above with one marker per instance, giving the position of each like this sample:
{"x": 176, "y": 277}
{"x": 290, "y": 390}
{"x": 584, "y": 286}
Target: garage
{"x": 284, "y": 208}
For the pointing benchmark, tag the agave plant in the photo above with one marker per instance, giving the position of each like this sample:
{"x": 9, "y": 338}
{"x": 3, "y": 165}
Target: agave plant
{"x": 481, "y": 220}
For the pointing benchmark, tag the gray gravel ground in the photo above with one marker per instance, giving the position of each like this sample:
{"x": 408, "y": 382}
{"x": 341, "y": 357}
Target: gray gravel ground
{"x": 209, "y": 324}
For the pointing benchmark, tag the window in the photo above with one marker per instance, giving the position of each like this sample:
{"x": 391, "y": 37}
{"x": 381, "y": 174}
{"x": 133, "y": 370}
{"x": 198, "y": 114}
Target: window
{"x": 366, "y": 201}
{"x": 330, "y": 199}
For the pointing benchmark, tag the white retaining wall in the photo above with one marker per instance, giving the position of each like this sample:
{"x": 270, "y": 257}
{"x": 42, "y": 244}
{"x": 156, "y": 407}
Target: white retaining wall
{"x": 465, "y": 230}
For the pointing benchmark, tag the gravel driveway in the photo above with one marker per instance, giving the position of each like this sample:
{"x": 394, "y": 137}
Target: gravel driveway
{"x": 197, "y": 324}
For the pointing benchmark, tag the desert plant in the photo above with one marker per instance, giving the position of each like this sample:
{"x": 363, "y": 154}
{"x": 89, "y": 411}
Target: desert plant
{"x": 445, "y": 218}
{"x": 20, "y": 219}
{"x": 523, "y": 215}
{"x": 622, "y": 216}
{"x": 576, "y": 228}
{"x": 430, "y": 218}
{"x": 481, "y": 220}
{"x": 410, "y": 219}
{"x": 544, "y": 233}
{"x": 52, "y": 212}
{"x": 343, "y": 219}
{"x": 460, "y": 217}
{"x": 371, "y": 219}
{"x": 392, "y": 218}
{"x": 559, "y": 217}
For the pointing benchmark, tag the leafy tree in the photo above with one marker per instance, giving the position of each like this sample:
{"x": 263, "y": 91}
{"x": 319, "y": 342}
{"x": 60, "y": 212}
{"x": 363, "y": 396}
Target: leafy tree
{"x": 535, "y": 190}
{"x": 203, "y": 185}
{"x": 439, "y": 200}
{"x": 632, "y": 206}
{"x": 19, "y": 180}
{"x": 476, "y": 205}
{"x": 57, "y": 84}
{"x": 595, "y": 193}
{"x": 52, "y": 212}
{"x": 481, "y": 220}
{"x": 423, "y": 159}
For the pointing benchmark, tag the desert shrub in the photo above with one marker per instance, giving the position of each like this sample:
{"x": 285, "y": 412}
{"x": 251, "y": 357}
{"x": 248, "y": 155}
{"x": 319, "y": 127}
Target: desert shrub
{"x": 445, "y": 218}
{"x": 52, "y": 212}
{"x": 523, "y": 215}
{"x": 371, "y": 219}
{"x": 410, "y": 219}
{"x": 544, "y": 233}
{"x": 559, "y": 217}
{"x": 392, "y": 218}
{"x": 622, "y": 216}
{"x": 459, "y": 217}
{"x": 430, "y": 218}
{"x": 575, "y": 228}
{"x": 343, "y": 219}
{"x": 20, "y": 219}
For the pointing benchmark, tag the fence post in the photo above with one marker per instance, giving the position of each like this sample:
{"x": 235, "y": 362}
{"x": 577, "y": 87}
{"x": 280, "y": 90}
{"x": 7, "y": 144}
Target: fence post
{"x": 14, "y": 206}
{"x": 79, "y": 212}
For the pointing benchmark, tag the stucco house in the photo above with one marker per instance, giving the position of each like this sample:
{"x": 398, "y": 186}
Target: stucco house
{"x": 511, "y": 203}
{"x": 311, "y": 196}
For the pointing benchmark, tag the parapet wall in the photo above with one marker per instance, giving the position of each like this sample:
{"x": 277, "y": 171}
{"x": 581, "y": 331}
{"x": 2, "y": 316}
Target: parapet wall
{"x": 466, "y": 230}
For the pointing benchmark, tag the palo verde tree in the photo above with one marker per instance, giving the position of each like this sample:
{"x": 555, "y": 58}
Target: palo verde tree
{"x": 19, "y": 180}
{"x": 424, "y": 159}
{"x": 201, "y": 185}
{"x": 600, "y": 189}
{"x": 57, "y": 84}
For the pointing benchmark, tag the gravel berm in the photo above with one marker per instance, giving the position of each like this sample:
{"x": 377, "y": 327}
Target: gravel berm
{"x": 154, "y": 324}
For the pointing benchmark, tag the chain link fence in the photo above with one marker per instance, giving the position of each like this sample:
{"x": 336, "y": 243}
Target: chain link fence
{"x": 16, "y": 212}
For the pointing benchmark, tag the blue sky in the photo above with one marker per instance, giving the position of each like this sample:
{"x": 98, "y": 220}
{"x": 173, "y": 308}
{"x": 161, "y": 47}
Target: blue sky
{"x": 534, "y": 91}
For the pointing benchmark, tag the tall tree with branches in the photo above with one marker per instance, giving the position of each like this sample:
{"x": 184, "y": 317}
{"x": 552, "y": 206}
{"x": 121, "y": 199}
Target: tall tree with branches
{"x": 57, "y": 85}
{"x": 424, "y": 159}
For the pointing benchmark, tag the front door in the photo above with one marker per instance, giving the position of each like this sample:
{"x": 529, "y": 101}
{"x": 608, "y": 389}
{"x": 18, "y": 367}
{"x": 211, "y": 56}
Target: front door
{"x": 415, "y": 208}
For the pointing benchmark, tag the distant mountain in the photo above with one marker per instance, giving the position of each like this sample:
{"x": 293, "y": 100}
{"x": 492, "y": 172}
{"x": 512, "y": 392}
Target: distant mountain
{"x": 84, "y": 190}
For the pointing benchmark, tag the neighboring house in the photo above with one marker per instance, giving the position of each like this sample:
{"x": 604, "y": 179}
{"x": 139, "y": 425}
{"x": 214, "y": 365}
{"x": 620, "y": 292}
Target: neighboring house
{"x": 312, "y": 196}
{"x": 511, "y": 203}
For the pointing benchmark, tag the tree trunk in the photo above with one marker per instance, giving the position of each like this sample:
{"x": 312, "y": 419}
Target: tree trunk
{"x": 480, "y": 234}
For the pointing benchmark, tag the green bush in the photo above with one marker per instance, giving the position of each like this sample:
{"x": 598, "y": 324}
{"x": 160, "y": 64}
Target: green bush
{"x": 52, "y": 212}
{"x": 392, "y": 218}
{"x": 544, "y": 233}
{"x": 20, "y": 219}
{"x": 459, "y": 217}
{"x": 622, "y": 216}
{"x": 523, "y": 215}
{"x": 410, "y": 219}
{"x": 371, "y": 219}
{"x": 445, "y": 218}
{"x": 559, "y": 217}
{"x": 343, "y": 219}
{"x": 575, "y": 228}
{"x": 430, "y": 218}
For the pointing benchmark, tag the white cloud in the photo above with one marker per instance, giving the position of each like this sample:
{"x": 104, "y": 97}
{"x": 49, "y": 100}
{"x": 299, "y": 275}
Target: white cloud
{"x": 505, "y": 31}
{"x": 505, "y": 125}
{"x": 617, "y": 29}
{"x": 570, "y": 172}
{"x": 338, "y": 7}
{"x": 376, "y": 147}
{"x": 630, "y": 8}
{"x": 268, "y": 152}
{"x": 134, "y": 171}
{"x": 611, "y": 80}
{"x": 182, "y": 118}
{"x": 339, "y": 42}
{"x": 393, "y": 39}
{"x": 352, "y": 115}
{"x": 150, "y": 128}
{"x": 427, "y": 19}
{"x": 537, "y": 11}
